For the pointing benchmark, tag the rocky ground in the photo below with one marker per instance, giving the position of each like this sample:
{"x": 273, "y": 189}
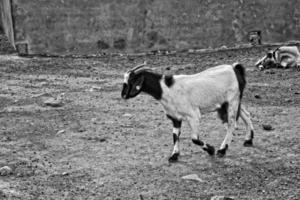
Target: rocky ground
{"x": 65, "y": 133}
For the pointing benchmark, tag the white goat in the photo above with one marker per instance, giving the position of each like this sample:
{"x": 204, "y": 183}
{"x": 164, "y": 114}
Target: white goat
{"x": 282, "y": 57}
{"x": 187, "y": 97}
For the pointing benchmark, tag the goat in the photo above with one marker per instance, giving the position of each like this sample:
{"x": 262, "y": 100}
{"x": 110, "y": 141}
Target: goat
{"x": 188, "y": 97}
{"x": 282, "y": 57}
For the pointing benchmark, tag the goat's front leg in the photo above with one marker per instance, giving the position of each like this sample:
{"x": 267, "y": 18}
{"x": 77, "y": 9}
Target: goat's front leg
{"x": 194, "y": 122}
{"x": 176, "y": 133}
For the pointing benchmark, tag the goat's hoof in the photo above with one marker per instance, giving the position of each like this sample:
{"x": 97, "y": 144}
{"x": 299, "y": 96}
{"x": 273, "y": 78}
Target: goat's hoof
{"x": 221, "y": 152}
{"x": 174, "y": 157}
{"x": 248, "y": 143}
{"x": 209, "y": 149}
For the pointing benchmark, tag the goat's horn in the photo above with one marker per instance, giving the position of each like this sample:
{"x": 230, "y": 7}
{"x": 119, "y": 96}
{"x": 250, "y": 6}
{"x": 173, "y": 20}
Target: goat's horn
{"x": 260, "y": 61}
{"x": 138, "y": 66}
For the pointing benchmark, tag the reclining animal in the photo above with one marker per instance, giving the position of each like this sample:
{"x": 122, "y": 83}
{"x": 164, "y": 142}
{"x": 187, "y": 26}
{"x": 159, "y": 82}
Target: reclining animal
{"x": 188, "y": 97}
{"x": 282, "y": 57}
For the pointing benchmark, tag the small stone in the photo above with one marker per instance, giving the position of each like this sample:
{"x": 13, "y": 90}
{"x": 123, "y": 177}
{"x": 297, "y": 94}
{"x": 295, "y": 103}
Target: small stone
{"x": 6, "y": 170}
{"x": 81, "y": 129}
{"x": 127, "y": 115}
{"x": 267, "y": 127}
{"x": 53, "y": 102}
{"x": 60, "y": 132}
{"x": 65, "y": 173}
{"x": 257, "y": 96}
{"x": 94, "y": 120}
{"x": 102, "y": 139}
{"x": 95, "y": 88}
{"x": 194, "y": 177}
{"x": 288, "y": 100}
{"x": 221, "y": 198}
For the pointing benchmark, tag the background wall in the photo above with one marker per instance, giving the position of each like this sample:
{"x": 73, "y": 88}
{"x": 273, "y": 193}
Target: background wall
{"x": 91, "y": 26}
{"x": 6, "y": 20}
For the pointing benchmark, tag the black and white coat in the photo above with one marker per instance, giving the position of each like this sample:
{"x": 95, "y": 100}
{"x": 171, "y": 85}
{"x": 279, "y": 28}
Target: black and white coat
{"x": 282, "y": 57}
{"x": 188, "y": 97}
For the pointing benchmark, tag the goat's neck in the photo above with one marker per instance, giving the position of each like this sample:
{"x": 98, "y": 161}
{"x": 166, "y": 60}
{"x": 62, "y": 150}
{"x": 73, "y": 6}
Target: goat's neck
{"x": 152, "y": 85}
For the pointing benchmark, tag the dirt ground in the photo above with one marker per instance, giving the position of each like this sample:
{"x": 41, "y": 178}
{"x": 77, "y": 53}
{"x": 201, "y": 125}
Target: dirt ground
{"x": 98, "y": 146}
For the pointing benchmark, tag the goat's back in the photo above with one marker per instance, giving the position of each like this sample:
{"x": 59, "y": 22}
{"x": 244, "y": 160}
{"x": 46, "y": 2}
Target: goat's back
{"x": 207, "y": 89}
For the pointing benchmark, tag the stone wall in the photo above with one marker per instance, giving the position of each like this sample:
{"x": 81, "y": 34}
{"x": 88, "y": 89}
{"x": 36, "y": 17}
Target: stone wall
{"x": 93, "y": 26}
{"x": 6, "y": 20}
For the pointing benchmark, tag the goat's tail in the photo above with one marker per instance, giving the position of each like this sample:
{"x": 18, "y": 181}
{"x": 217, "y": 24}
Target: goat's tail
{"x": 240, "y": 74}
{"x": 241, "y": 77}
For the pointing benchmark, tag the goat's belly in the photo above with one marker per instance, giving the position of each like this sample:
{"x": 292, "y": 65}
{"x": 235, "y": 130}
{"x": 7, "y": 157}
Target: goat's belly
{"x": 176, "y": 111}
{"x": 208, "y": 104}
{"x": 212, "y": 108}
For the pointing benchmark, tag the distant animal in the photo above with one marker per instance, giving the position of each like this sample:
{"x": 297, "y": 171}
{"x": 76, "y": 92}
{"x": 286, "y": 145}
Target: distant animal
{"x": 188, "y": 97}
{"x": 282, "y": 57}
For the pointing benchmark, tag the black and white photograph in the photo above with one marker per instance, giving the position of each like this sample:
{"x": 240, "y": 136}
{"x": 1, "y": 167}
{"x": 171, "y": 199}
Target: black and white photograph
{"x": 149, "y": 100}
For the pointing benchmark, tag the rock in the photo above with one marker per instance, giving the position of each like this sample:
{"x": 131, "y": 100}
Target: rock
{"x": 65, "y": 173}
{"x": 267, "y": 127}
{"x": 6, "y": 170}
{"x": 100, "y": 139}
{"x": 257, "y": 96}
{"x": 60, "y": 132}
{"x": 53, "y": 102}
{"x": 94, "y": 120}
{"x": 194, "y": 177}
{"x": 221, "y": 198}
{"x": 223, "y": 47}
{"x": 95, "y": 88}
{"x": 81, "y": 129}
{"x": 288, "y": 100}
{"x": 127, "y": 115}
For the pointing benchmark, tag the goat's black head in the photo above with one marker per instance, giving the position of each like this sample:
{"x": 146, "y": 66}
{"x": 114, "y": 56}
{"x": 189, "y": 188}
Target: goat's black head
{"x": 268, "y": 61}
{"x": 133, "y": 82}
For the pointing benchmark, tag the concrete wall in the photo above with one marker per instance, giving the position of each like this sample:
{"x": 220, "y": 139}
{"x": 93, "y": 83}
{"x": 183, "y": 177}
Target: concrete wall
{"x": 91, "y": 26}
{"x": 6, "y": 20}
{"x": 1, "y": 26}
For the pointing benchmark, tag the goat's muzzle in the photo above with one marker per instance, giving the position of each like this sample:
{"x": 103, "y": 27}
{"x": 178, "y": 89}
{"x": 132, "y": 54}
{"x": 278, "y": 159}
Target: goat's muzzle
{"x": 125, "y": 91}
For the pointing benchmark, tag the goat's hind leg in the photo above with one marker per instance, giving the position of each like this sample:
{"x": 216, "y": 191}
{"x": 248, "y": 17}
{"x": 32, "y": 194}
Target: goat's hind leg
{"x": 176, "y": 134}
{"x": 228, "y": 138}
{"x": 245, "y": 115}
{"x": 228, "y": 114}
